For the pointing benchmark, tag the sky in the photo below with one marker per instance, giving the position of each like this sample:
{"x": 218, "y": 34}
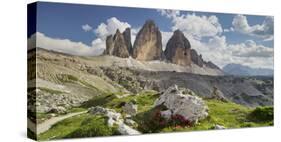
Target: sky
{"x": 221, "y": 38}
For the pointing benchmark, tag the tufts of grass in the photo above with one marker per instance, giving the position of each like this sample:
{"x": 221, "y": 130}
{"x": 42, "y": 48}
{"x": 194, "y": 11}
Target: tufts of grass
{"x": 84, "y": 125}
{"x": 63, "y": 128}
{"x": 93, "y": 126}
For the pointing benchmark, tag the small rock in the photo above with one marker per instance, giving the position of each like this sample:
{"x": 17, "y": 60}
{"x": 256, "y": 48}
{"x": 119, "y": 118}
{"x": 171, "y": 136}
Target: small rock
{"x": 219, "y": 127}
{"x": 113, "y": 116}
{"x": 59, "y": 110}
{"x": 130, "y": 122}
{"x": 126, "y": 130}
{"x": 130, "y": 108}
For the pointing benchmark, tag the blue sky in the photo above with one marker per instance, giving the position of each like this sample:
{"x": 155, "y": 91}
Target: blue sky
{"x": 65, "y": 21}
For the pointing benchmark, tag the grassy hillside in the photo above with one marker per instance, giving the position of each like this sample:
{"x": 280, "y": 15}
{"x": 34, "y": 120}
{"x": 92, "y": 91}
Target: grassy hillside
{"x": 227, "y": 114}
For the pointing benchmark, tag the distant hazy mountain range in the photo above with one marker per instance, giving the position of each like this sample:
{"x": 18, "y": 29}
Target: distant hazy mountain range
{"x": 241, "y": 70}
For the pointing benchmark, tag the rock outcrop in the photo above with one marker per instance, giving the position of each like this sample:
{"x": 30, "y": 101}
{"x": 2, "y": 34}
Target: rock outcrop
{"x": 148, "y": 43}
{"x": 196, "y": 59}
{"x": 178, "y": 49}
{"x": 188, "y": 106}
{"x": 130, "y": 108}
{"x": 211, "y": 65}
{"x": 127, "y": 38}
{"x": 114, "y": 118}
{"x": 118, "y": 45}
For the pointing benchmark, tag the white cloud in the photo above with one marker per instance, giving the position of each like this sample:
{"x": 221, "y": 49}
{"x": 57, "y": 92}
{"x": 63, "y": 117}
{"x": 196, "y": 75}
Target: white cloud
{"x": 87, "y": 28}
{"x": 169, "y": 13}
{"x": 165, "y": 37}
{"x": 216, "y": 49}
{"x": 264, "y": 30}
{"x": 231, "y": 29}
{"x": 110, "y": 27}
{"x": 66, "y": 45}
{"x": 197, "y": 26}
{"x": 78, "y": 48}
{"x": 247, "y": 53}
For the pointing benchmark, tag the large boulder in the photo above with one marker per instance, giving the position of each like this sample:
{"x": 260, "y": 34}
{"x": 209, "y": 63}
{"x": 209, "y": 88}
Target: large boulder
{"x": 117, "y": 45}
{"x": 148, "y": 43}
{"x": 191, "y": 107}
{"x": 178, "y": 49}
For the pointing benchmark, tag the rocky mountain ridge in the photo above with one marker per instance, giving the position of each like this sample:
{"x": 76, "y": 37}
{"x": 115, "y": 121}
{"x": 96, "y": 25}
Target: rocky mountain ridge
{"x": 148, "y": 47}
{"x": 241, "y": 70}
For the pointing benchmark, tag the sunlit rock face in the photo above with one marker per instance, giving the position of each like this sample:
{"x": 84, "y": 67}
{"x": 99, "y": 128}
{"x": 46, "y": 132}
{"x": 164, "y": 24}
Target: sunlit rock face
{"x": 148, "y": 43}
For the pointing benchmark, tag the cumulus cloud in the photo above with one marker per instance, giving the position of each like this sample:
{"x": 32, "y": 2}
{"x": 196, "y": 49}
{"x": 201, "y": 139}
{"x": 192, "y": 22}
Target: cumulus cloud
{"x": 197, "y": 26}
{"x": 216, "y": 48}
{"x": 264, "y": 30}
{"x": 64, "y": 45}
{"x": 249, "y": 53}
{"x": 78, "y": 48}
{"x": 169, "y": 13}
{"x": 87, "y": 28}
{"x": 110, "y": 27}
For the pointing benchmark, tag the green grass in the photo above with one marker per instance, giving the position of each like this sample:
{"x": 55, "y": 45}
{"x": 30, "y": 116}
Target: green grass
{"x": 227, "y": 114}
{"x": 144, "y": 100}
{"x": 84, "y": 125}
{"x": 77, "y": 109}
{"x": 63, "y": 128}
{"x": 93, "y": 126}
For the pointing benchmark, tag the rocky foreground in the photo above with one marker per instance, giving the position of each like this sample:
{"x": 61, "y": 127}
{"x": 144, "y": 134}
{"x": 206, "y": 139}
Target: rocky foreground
{"x": 124, "y": 95}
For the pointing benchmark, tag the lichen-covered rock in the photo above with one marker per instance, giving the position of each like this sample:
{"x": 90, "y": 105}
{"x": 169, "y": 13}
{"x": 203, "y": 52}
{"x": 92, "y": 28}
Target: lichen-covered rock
{"x": 178, "y": 49}
{"x": 113, "y": 116}
{"x": 148, "y": 43}
{"x": 130, "y": 108}
{"x": 191, "y": 107}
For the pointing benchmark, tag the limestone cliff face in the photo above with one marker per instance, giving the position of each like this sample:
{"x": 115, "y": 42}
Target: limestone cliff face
{"x": 148, "y": 43}
{"x": 178, "y": 49}
{"x": 196, "y": 59}
{"x": 127, "y": 38}
{"x": 117, "y": 45}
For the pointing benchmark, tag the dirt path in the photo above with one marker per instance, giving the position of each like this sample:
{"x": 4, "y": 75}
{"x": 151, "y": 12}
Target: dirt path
{"x": 46, "y": 125}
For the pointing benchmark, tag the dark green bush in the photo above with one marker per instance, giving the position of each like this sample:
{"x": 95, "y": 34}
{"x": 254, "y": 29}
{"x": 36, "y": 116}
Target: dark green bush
{"x": 262, "y": 114}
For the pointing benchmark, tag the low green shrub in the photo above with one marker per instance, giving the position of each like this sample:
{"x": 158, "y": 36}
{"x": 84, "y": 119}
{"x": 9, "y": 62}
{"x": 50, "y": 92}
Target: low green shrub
{"x": 262, "y": 114}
